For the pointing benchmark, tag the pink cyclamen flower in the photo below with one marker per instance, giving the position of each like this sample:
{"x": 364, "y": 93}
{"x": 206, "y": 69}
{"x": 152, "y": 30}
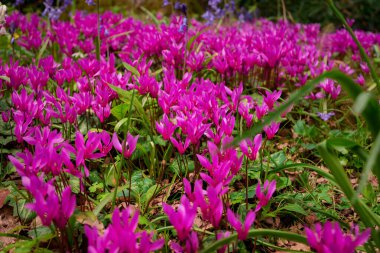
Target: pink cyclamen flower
{"x": 271, "y": 130}
{"x": 121, "y": 236}
{"x": 251, "y": 149}
{"x": 271, "y": 98}
{"x": 265, "y": 194}
{"x": 241, "y": 229}
{"x": 47, "y": 205}
{"x": 183, "y": 218}
{"x": 331, "y": 239}
{"x": 220, "y": 236}
{"x": 261, "y": 111}
{"x": 165, "y": 127}
{"x": 360, "y": 80}
{"x": 68, "y": 203}
{"x": 130, "y": 144}
{"x": 192, "y": 244}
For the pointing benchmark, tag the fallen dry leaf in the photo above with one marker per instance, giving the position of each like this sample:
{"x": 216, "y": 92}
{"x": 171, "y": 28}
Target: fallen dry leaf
{"x": 3, "y": 195}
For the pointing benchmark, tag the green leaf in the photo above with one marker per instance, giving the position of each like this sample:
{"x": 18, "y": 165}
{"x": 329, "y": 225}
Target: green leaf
{"x": 302, "y": 166}
{"x": 39, "y": 232}
{"x": 283, "y": 182}
{"x": 5, "y": 78}
{"x": 108, "y": 198}
{"x": 370, "y": 165}
{"x": 120, "y": 123}
{"x": 363, "y": 54}
{"x": 146, "y": 197}
{"x": 191, "y": 41}
{"x": 369, "y": 218}
{"x": 95, "y": 187}
{"x": 278, "y": 158}
{"x": 371, "y": 113}
{"x": 119, "y": 111}
{"x": 362, "y": 102}
{"x": 150, "y": 14}
{"x": 255, "y": 233}
{"x": 294, "y": 208}
{"x": 42, "y": 50}
{"x": 339, "y": 142}
{"x": 132, "y": 69}
{"x": 74, "y": 184}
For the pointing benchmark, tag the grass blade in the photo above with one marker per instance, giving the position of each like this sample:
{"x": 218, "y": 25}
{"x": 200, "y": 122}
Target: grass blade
{"x": 255, "y": 233}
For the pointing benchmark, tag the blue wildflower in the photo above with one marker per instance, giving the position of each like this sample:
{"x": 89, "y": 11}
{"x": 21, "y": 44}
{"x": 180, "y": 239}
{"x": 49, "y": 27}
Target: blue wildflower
{"x": 18, "y": 3}
{"x": 182, "y": 7}
{"x": 325, "y": 116}
{"x": 90, "y": 2}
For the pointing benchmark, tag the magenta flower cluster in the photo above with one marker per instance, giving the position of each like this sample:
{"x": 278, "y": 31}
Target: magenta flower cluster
{"x": 199, "y": 114}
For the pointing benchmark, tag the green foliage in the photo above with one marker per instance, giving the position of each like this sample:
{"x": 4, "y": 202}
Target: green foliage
{"x": 314, "y": 11}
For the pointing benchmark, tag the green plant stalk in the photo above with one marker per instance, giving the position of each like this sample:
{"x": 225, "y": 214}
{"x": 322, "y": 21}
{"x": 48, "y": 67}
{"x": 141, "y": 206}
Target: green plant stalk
{"x": 360, "y": 47}
{"x": 370, "y": 165}
{"x": 122, "y": 157}
{"x": 98, "y": 37}
{"x": 369, "y": 218}
{"x": 255, "y": 233}
{"x": 308, "y": 166}
{"x": 279, "y": 248}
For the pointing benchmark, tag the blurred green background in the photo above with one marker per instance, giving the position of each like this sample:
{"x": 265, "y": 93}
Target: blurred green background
{"x": 365, "y": 12}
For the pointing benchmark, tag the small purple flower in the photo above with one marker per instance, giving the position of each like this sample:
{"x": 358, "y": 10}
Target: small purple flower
{"x": 209, "y": 16}
{"x": 165, "y": 3}
{"x": 182, "y": 7}
{"x": 90, "y": 2}
{"x": 183, "y": 27}
{"x": 18, "y": 3}
{"x": 325, "y": 116}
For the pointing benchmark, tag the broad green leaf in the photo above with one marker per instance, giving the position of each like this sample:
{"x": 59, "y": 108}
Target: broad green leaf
{"x": 294, "y": 208}
{"x": 39, "y": 232}
{"x": 108, "y": 198}
{"x": 146, "y": 197}
{"x": 361, "y": 102}
{"x": 338, "y": 142}
{"x": 119, "y": 111}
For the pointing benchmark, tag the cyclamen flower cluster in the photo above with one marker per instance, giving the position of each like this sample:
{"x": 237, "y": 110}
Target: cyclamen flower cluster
{"x": 330, "y": 238}
{"x": 48, "y": 206}
{"x": 121, "y": 236}
{"x": 293, "y": 50}
{"x": 197, "y": 113}
{"x": 211, "y": 207}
